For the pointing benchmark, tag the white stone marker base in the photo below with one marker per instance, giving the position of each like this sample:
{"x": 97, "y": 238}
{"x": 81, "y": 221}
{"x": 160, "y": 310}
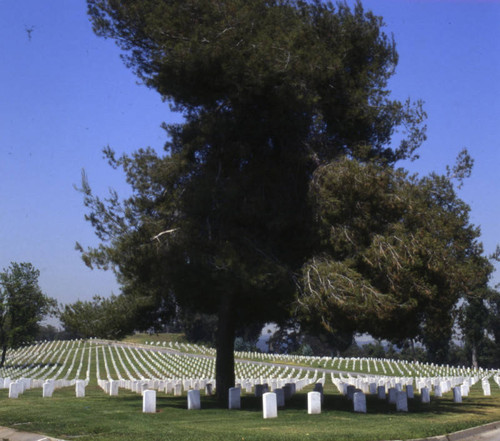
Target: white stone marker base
{"x": 194, "y": 402}
{"x": 234, "y": 398}
{"x": 80, "y": 388}
{"x": 313, "y": 403}
{"x": 401, "y": 401}
{"x": 149, "y": 401}
{"x": 359, "y": 401}
{"x": 269, "y": 405}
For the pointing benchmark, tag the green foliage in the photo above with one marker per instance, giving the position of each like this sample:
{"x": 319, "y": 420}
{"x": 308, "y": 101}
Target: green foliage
{"x": 23, "y": 305}
{"x": 479, "y": 320}
{"x": 398, "y": 254}
{"x": 271, "y": 91}
{"x": 111, "y": 318}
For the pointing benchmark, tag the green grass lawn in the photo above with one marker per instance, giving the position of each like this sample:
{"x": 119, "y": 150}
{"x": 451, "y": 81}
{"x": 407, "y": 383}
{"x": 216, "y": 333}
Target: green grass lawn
{"x": 100, "y": 417}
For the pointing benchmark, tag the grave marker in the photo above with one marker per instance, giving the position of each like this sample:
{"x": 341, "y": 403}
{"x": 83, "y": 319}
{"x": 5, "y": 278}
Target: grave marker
{"x": 401, "y": 401}
{"x": 80, "y": 388}
{"x": 269, "y": 405}
{"x": 425, "y": 396}
{"x": 149, "y": 401}
{"x": 314, "y": 402}
{"x": 193, "y": 398}
{"x": 234, "y": 398}
{"x": 359, "y": 402}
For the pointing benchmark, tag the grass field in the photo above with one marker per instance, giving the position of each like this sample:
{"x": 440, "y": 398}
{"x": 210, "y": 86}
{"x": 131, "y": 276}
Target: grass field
{"x": 102, "y": 417}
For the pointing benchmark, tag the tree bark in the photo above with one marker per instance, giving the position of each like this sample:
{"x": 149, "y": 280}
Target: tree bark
{"x": 4, "y": 353}
{"x": 224, "y": 365}
{"x": 475, "y": 364}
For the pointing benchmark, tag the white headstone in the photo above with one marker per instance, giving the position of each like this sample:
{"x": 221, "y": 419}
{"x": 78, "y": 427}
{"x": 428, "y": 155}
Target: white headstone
{"x": 437, "y": 391}
{"x": 13, "y": 390}
{"x": 409, "y": 391}
{"x": 464, "y": 389}
{"x": 47, "y": 389}
{"x": 269, "y": 405}
{"x": 259, "y": 390}
{"x": 80, "y": 388}
{"x": 313, "y": 402}
{"x": 193, "y": 398}
{"x": 425, "y": 395}
{"x": 401, "y": 401}
{"x": 457, "y": 394}
{"x": 149, "y": 401}
{"x": 113, "y": 387}
{"x": 381, "y": 392}
{"x": 280, "y": 397}
{"x": 392, "y": 395}
{"x": 178, "y": 390}
{"x": 486, "y": 388}
{"x": 208, "y": 389}
{"x": 234, "y": 398}
{"x": 359, "y": 401}
{"x": 289, "y": 389}
{"x": 350, "y": 391}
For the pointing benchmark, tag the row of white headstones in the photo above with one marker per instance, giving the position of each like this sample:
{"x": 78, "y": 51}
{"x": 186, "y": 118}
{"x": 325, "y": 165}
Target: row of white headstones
{"x": 391, "y": 367}
{"x": 398, "y": 390}
{"x": 375, "y": 365}
{"x": 145, "y": 363}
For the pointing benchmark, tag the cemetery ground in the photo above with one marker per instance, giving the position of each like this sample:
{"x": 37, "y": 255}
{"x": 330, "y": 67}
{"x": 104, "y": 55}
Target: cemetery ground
{"x": 99, "y": 416}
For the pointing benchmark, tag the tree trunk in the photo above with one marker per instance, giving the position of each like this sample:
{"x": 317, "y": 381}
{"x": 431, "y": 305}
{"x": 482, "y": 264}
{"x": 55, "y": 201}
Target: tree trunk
{"x": 224, "y": 365}
{"x": 4, "y": 353}
{"x": 412, "y": 346}
{"x": 474, "y": 357}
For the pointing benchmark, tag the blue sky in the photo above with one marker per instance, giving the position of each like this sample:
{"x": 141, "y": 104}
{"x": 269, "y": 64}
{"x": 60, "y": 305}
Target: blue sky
{"x": 65, "y": 94}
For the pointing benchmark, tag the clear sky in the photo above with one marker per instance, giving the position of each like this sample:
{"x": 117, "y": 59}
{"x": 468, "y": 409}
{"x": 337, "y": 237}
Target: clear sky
{"x": 65, "y": 94}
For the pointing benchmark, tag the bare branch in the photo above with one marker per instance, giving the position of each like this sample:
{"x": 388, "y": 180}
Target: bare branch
{"x": 157, "y": 237}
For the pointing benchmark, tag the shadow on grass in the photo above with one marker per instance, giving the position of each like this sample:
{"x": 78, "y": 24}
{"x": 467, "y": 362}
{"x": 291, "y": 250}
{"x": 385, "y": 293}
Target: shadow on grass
{"x": 340, "y": 403}
{"x": 477, "y": 405}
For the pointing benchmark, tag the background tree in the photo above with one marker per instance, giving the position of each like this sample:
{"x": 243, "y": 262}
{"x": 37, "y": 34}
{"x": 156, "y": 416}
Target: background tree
{"x": 23, "y": 305}
{"x": 111, "y": 318}
{"x": 473, "y": 323}
{"x": 269, "y": 90}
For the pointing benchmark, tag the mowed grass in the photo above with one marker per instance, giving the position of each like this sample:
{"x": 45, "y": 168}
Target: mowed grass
{"x": 101, "y": 417}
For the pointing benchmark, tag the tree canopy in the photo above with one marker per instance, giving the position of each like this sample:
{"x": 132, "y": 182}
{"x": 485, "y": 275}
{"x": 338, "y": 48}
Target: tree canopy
{"x": 23, "y": 305}
{"x": 280, "y": 180}
{"x": 397, "y": 252}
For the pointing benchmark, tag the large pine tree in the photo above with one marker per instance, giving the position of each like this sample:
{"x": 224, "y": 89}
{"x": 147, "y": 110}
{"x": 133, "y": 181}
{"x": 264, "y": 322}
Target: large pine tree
{"x": 270, "y": 91}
